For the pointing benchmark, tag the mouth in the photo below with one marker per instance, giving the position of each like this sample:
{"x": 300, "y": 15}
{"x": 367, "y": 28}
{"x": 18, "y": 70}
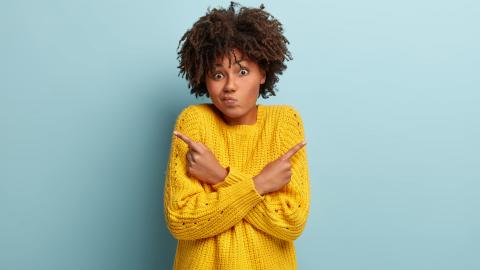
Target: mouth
{"x": 229, "y": 101}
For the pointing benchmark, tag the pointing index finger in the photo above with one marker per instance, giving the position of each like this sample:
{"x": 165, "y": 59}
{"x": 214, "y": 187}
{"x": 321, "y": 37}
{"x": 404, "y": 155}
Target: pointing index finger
{"x": 293, "y": 150}
{"x": 184, "y": 138}
{"x": 191, "y": 143}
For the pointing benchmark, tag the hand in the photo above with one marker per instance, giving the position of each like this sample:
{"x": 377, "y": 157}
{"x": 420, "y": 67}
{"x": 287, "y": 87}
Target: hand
{"x": 277, "y": 173}
{"x": 202, "y": 164}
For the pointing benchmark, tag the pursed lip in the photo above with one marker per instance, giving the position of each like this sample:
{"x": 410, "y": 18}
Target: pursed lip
{"x": 229, "y": 98}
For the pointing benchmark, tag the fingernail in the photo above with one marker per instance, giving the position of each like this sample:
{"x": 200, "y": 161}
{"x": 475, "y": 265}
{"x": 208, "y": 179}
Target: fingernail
{"x": 174, "y": 132}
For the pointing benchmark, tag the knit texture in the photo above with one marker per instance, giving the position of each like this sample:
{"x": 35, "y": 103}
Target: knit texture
{"x": 229, "y": 225}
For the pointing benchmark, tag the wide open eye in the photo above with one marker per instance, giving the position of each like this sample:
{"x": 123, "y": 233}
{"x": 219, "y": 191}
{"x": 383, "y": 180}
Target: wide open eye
{"x": 217, "y": 76}
{"x": 244, "y": 71}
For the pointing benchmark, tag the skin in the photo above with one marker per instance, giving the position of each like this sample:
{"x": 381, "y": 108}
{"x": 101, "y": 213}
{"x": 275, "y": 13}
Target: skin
{"x": 242, "y": 81}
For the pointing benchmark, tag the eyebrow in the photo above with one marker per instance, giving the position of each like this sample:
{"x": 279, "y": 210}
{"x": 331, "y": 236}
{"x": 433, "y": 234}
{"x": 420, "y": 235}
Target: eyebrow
{"x": 238, "y": 62}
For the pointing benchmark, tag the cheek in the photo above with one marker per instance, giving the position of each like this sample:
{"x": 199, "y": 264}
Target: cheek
{"x": 213, "y": 88}
{"x": 254, "y": 87}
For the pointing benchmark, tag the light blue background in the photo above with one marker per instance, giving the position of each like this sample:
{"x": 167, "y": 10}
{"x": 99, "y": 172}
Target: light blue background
{"x": 388, "y": 91}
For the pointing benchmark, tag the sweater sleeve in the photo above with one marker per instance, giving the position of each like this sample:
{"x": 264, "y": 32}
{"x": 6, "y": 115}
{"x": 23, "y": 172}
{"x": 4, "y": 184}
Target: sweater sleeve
{"x": 190, "y": 211}
{"x": 283, "y": 214}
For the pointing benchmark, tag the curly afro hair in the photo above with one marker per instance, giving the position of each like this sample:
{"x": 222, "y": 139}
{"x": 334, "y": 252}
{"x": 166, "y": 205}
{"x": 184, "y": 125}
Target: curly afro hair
{"x": 253, "y": 31}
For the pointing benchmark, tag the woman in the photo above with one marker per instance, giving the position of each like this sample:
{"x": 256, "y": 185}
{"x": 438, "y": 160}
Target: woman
{"x": 237, "y": 184}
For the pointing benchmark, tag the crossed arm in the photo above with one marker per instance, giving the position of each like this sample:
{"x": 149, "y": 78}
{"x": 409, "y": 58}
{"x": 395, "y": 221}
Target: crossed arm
{"x": 276, "y": 201}
{"x": 204, "y": 166}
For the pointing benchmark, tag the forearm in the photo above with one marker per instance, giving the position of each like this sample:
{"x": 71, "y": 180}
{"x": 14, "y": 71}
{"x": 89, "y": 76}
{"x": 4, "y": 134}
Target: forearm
{"x": 283, "y": 213}
{"x": 194, "y": 214}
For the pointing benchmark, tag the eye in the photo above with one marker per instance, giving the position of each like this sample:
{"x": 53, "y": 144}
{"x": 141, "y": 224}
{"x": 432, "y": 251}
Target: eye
{"x": 217, "y": 76}
{"x": 245, "y": 71}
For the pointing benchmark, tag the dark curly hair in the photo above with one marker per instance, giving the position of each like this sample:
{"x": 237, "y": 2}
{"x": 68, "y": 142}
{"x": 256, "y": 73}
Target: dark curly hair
{"x": 253, "y": 31}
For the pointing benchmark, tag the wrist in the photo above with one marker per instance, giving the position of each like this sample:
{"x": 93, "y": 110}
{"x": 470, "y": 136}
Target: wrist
{"x": 258, "y": 185}
{"x": 223, "y": 174}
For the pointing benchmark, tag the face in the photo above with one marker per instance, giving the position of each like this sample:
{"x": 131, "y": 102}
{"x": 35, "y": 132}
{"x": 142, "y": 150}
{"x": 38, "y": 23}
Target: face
{"x": 241, "y": 83}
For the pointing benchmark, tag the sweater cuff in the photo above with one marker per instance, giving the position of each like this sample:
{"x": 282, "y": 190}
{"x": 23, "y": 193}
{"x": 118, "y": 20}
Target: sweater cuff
{"x": 234, "y": 176}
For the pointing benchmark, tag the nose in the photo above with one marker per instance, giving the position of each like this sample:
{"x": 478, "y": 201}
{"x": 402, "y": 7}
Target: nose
{"x": 230, "y": 86}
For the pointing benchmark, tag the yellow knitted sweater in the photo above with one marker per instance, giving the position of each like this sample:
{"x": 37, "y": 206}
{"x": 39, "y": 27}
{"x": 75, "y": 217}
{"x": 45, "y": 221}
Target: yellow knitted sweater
{"x": 229, "y": 225}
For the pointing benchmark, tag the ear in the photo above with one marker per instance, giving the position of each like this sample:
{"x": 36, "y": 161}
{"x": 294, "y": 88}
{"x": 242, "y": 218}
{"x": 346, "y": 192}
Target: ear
{"x": 264, "y": 77}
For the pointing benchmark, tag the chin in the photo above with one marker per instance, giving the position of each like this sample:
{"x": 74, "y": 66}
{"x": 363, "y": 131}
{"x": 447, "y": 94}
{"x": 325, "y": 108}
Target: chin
{"x": 231, "y": 112}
